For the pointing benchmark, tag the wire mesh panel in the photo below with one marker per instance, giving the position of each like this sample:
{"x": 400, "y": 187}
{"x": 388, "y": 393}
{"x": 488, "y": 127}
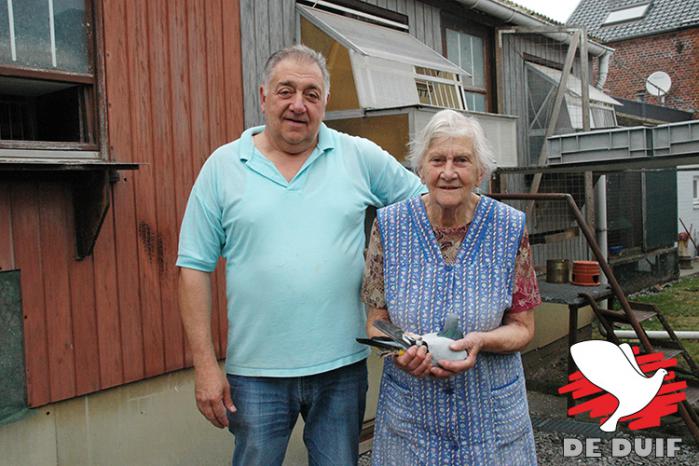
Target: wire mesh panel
{"x": 553, "y": 230}
{"x": 632, "y": 219}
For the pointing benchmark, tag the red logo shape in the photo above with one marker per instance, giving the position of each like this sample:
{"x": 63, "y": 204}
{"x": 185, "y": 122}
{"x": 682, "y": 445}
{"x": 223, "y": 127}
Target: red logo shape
{"x": 602, "y": 404}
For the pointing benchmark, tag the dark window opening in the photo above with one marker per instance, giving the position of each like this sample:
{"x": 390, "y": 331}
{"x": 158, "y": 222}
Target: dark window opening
{"x": 32, "y": 111}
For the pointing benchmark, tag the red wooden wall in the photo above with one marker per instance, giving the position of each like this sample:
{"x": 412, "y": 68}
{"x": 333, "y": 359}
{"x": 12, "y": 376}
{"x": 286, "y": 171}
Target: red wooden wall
{"x": 174, "y": 93}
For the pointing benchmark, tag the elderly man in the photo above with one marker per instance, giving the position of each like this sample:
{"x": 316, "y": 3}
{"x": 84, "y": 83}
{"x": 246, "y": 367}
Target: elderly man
{"x": 284, "y": 205}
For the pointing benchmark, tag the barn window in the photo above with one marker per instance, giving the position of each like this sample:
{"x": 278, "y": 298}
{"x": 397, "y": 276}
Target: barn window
{"x": 47, "y": 79}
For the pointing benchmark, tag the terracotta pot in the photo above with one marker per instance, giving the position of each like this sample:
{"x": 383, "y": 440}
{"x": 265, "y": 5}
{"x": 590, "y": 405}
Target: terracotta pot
{"x": 586, "y": 273}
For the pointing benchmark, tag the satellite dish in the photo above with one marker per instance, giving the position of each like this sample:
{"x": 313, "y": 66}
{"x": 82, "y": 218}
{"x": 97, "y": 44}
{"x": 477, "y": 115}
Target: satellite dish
{"x": 658, "y": 83}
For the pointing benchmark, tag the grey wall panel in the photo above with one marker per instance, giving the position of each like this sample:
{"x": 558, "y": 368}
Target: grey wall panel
{"x": 249, "y": 58}
{"x": 266, "y": 26}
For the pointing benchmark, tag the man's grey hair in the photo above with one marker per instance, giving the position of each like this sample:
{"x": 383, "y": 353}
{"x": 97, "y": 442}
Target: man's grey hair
{"x": 451, "y": 124}
{"x": 299, "y": 53}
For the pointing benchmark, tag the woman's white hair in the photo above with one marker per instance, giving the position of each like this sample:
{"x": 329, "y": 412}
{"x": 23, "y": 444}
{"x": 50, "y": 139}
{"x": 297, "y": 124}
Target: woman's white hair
{"x": 451, "y": 124}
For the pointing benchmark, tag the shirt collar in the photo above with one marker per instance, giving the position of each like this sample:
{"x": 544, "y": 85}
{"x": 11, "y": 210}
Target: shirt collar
{"x": 247, "y": 147}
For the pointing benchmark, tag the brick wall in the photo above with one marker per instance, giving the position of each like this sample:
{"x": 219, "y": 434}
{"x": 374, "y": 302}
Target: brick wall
{"x": 676, "y": 53}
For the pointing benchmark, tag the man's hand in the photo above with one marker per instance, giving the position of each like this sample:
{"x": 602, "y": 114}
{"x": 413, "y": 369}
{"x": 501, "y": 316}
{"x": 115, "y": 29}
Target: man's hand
{"x": 472, "y": 343}
{"x": 213, "y": 395}
{"x": 415, "y": 361}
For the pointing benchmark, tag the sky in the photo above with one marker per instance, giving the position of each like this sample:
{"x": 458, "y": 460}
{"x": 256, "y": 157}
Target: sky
{"x": 559, "y": 10}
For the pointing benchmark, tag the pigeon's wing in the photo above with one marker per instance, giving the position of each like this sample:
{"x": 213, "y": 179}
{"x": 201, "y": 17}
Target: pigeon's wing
{"x": 384, "y": 343}
{"x": 393, "y": 331}
{"x": 628, "y": 352}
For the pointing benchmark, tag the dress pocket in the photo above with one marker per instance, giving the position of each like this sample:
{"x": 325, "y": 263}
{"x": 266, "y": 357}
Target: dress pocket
{"x": 398, "y": 407}
{"x": 510, "y": 411}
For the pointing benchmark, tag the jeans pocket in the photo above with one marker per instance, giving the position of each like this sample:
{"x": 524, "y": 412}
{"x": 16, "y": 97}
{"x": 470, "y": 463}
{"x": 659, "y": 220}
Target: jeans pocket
{"x": 510, "y": 411}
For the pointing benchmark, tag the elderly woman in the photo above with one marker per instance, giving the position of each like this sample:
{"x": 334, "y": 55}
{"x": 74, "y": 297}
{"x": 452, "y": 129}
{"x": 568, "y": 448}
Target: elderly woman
{"x": 453, "y": 251}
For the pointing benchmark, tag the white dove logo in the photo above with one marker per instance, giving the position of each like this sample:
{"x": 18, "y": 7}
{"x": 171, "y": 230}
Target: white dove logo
{"x": 614, "y": 369}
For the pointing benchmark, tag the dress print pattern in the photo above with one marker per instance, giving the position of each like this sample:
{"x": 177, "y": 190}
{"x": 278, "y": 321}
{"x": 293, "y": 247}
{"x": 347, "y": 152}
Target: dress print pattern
{"x": 477, "y": 418}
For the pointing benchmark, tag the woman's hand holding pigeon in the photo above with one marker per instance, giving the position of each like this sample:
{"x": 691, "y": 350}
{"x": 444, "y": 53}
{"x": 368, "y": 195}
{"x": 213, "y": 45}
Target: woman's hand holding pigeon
{"x": 416, "y": 361}
{"x": 472, "y": 343}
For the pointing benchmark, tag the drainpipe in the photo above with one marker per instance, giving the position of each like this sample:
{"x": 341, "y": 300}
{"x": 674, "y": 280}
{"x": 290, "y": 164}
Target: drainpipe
{"x": 510, "y": 15}
{"x": 601, "y": 214}
{"x": 603, "y": 69}
{"x": 601, "y": 223}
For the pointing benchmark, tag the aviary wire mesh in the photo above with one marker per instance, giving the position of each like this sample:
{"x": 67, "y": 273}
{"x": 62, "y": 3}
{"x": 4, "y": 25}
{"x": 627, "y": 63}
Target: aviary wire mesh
{"x": 553, "y": 230}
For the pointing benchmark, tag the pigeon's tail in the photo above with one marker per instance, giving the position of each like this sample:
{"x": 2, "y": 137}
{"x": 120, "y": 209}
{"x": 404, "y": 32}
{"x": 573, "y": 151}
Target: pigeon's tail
{"x": 610, "y": 424}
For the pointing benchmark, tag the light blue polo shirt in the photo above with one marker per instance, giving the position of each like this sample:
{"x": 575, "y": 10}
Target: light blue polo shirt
{"x": 293, "y": 250}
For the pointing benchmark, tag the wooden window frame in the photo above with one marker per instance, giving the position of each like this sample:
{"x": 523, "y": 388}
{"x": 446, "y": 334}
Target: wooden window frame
{"x": 92, "y": 102}
{"x": 486, "y": 35}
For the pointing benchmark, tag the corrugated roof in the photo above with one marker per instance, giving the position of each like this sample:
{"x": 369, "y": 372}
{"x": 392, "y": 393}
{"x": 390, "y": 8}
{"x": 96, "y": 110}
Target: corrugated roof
{"x": 661, "y": 16}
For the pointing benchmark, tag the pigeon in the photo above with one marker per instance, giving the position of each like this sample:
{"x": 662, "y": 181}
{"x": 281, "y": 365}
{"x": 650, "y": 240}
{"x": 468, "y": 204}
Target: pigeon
{"x": 437, "y": 343}
{"x": 614, "y": 369}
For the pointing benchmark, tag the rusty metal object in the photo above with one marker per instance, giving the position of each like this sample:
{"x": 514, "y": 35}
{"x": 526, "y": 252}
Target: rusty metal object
{"x": 557, "y": 270}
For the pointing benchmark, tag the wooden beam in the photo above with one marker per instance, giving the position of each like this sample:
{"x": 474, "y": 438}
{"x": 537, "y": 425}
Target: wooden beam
{"x": 556, "y": 111}
{"x": 590, "y": 199}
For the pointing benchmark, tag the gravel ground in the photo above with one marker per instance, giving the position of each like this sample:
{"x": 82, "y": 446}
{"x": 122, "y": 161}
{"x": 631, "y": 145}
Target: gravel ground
{"x": 549, "y": 450}
{"x": 549, "y": 444}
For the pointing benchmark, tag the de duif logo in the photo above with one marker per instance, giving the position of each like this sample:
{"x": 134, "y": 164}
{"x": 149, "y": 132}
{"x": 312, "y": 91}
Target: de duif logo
{"x": 617, "y": 385}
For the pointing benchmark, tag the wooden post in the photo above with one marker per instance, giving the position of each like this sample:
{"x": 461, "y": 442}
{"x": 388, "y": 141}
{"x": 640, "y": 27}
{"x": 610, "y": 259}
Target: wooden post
{"x": 584, "y": 81}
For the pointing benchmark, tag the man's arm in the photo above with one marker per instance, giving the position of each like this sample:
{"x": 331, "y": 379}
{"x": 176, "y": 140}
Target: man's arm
{"x": 211, "y": 388}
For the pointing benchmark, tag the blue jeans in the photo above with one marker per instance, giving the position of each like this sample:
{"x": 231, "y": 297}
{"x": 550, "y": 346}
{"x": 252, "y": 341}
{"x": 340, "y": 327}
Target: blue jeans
{"x": 331, "y": 404}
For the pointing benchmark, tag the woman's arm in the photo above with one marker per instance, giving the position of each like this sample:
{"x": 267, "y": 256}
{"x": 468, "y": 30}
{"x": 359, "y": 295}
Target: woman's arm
{"x": 515, "y": 333}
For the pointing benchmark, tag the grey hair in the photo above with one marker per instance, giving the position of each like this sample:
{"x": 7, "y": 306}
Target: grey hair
{"x": 297, "y": 52}
{"x": 451, "y": 124}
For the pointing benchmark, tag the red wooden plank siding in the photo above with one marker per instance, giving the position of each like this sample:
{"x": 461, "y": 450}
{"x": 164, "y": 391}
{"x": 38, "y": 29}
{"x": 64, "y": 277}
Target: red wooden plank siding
{"x": 162, "y": 79}
{"x": 232, "y": 60}
{"x": 182, "y": 144}
{"x": 84, "y": 317}
{"x": 119, "y": 42}
{"x": 146, "y": 217}
{"x": 54, "y": 230}
{"x": 111, "y": 368}
{"x": 7, "y": 255}
{"x": 25, "y": 228}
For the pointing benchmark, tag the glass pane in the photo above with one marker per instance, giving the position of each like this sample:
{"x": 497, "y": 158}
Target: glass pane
{"x": 5, "y": 51}
{"x": 477, "y": 66}
{"x": 35, "y": 46}
{"x": 475, "y": 101}
{"x": 453, "y": 51}
{"x": 71, "y": 35}
{"x": 466, "y": 57}
{"x": 32, "y": 34}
